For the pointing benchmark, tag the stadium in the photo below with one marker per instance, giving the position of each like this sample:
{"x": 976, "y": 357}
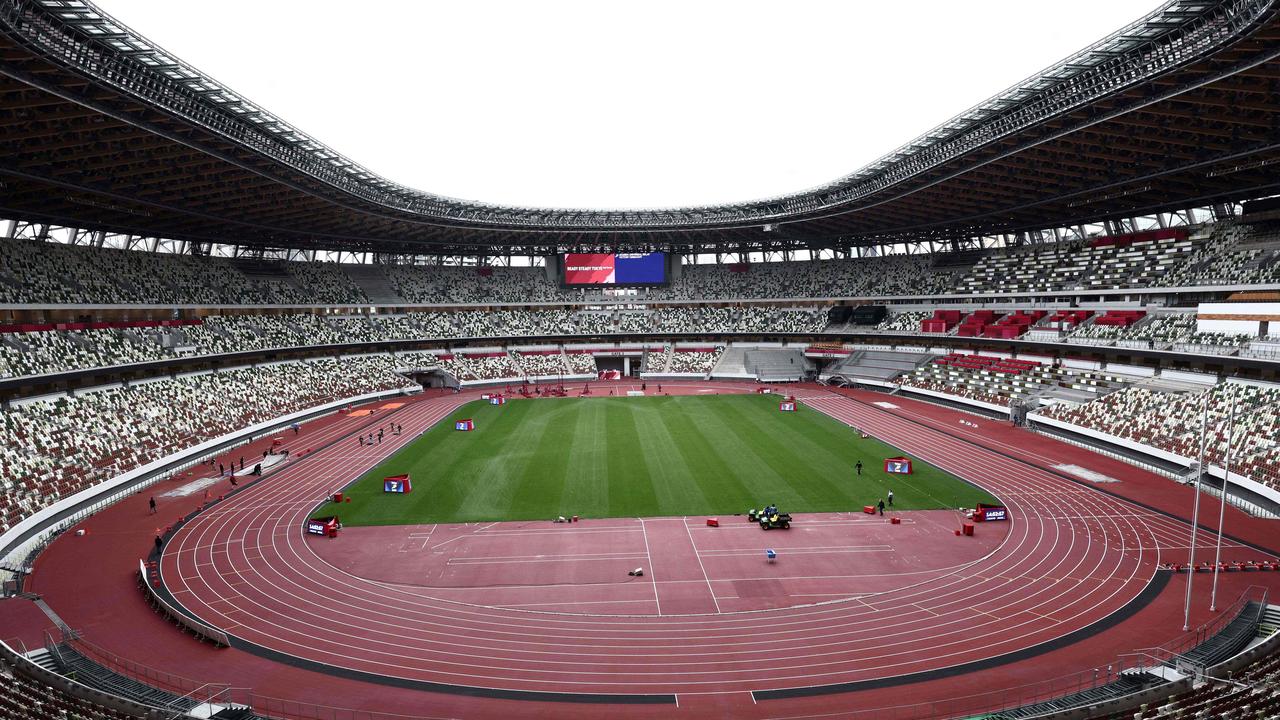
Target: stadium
{"x": 989, "y": 428}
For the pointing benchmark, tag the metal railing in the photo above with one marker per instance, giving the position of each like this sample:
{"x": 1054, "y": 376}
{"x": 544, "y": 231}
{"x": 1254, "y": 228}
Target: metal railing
{"x": 1173, "y": 652}
{"x": 200, "y": 629}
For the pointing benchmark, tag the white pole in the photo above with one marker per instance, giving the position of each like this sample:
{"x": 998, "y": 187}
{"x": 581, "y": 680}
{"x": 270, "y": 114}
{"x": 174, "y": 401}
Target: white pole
{"x": 1195, "y": 515}
{"x": 1222, "y": 507}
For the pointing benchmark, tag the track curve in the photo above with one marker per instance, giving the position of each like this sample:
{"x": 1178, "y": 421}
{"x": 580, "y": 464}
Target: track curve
{"x": 1072, "y": 557}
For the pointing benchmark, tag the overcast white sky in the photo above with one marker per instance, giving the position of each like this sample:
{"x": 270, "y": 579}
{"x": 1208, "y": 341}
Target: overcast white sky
{"x": 619, "y": 104}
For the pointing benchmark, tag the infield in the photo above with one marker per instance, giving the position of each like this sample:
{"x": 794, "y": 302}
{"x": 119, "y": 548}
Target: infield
{"x": 640, "y": 457}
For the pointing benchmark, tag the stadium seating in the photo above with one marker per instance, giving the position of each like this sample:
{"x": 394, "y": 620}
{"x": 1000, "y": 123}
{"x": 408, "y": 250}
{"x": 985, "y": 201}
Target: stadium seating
{"x": 1251, "y": 694}
{"x": 1136, "y": 329}
{"x": 1171, "y": 421}
{"x": 580, "y": 363}
{"x": 693, "y": 360}
{"x": 999, "y": 380}
{"x": 904, "y": 322}
{"x": 491, "y": 366}
{"x": 546, "y": 363}
{"x": 54, "y": 273}
{"x": 1098, "y": 264}
{"x": 57, "y": 447}
{"x": 22, "y": 697}
{"x": 1220, "y": 260}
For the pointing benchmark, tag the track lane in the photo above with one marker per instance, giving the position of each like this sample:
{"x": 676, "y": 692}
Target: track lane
{"x": 1088, "y": 564}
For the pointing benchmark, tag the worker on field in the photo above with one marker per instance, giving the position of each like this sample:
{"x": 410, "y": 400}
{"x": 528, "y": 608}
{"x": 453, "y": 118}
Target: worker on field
{"x": 881, "y": 506}
{"x": 858, "y": 467}
{"x": 890, "y": 498}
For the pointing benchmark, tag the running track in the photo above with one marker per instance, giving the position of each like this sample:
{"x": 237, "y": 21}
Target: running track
{"x": 1072, "y": 557}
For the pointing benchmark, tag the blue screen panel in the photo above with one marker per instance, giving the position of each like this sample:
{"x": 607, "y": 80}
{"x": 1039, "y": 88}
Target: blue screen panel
{"x": 640, "y": 268}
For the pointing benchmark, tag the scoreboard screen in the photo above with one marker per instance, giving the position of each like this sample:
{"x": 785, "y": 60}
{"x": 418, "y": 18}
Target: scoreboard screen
{"x": 614, "y": 268}
{"x": 316, "y": 527}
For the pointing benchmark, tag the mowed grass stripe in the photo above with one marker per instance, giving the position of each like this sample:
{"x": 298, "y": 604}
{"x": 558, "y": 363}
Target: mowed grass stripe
{"x": 588, "y": 460}
{"x": 640, "y": 457}
{"x": 683, "y": 468}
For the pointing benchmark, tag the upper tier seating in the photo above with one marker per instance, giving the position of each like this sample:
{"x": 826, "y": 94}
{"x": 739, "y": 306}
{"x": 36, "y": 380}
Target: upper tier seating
{"x": 1098, "y": 264}
{"x": 1220, "y": 260}
{"x": 54, "y": 273}
{"x": 51, "y": 351}
{"x": 905, "y": 322}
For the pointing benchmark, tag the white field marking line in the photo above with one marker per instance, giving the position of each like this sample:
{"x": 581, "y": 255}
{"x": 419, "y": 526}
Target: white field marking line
{"x": 798, "y": 549}
{"x": 751, "y": 553}
{"x": 456, "y": 562}
{"x": 653, "y": 577}
{"x": 1177, "y": 521}
{"x": 245, "y": 502}
{"x": 962, "y": 452}
{"x": 575, "y": 602}
{"x": 471, "y": 534}
{"x": 557, "y": 556}
{"x": 917, "y": 605}
{"x": 698, "y": 555}
{"x": 558, "y": 532}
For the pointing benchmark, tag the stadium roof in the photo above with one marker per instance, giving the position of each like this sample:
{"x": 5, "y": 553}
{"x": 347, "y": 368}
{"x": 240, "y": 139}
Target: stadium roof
{"x": 101, "y": 129}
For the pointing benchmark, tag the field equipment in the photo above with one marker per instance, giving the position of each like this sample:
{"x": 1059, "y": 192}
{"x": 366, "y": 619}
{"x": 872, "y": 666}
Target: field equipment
{"x": 778, "y": 520}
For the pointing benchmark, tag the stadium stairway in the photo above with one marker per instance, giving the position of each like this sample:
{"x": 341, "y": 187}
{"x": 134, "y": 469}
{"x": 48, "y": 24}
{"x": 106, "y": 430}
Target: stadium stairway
{"x": 374, "y": 282}
{"x": 732, "y": 364}
{"x": 83, "y": 670}
{"x": 1125, "y": 684}
{"x": 776, "y": 364}
{"x": 1230, "y": 640}
{"x": 878, "y": 365}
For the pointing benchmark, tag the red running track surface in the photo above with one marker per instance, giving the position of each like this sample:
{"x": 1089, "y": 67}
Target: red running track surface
{"x": 1072, "y": 557}
{"x": 111, "y": 614}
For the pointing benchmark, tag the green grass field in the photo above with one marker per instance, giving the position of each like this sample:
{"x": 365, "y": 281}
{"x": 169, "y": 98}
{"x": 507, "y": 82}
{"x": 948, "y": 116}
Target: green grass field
{"x": 640, "y": 457}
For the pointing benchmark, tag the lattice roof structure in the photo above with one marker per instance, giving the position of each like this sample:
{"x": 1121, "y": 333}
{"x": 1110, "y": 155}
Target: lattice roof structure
{"x": 102, "y": 129}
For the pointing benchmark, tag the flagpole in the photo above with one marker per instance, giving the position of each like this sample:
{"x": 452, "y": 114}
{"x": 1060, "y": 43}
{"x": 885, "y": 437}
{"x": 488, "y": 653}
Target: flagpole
{"x": 1222, "y": 507}
{"x": 1195, "y": 515}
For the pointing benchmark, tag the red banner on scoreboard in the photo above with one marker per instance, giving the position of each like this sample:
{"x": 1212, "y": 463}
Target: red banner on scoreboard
{"x": 589, "y": 269}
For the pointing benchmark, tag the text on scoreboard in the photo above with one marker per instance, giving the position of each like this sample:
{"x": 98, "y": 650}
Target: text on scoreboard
{"x": 615, "y": 268}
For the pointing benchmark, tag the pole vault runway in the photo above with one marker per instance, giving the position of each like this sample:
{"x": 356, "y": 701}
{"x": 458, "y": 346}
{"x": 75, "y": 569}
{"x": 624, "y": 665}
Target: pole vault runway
{"x": 1072, "y": 556}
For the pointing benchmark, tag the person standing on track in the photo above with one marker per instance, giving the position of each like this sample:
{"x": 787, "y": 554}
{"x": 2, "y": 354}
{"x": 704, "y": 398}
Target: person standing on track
{"x": 152, "y": 503}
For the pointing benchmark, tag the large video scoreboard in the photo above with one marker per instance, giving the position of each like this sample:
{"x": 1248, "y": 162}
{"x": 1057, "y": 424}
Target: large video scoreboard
{"x": 614, "y": 268}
